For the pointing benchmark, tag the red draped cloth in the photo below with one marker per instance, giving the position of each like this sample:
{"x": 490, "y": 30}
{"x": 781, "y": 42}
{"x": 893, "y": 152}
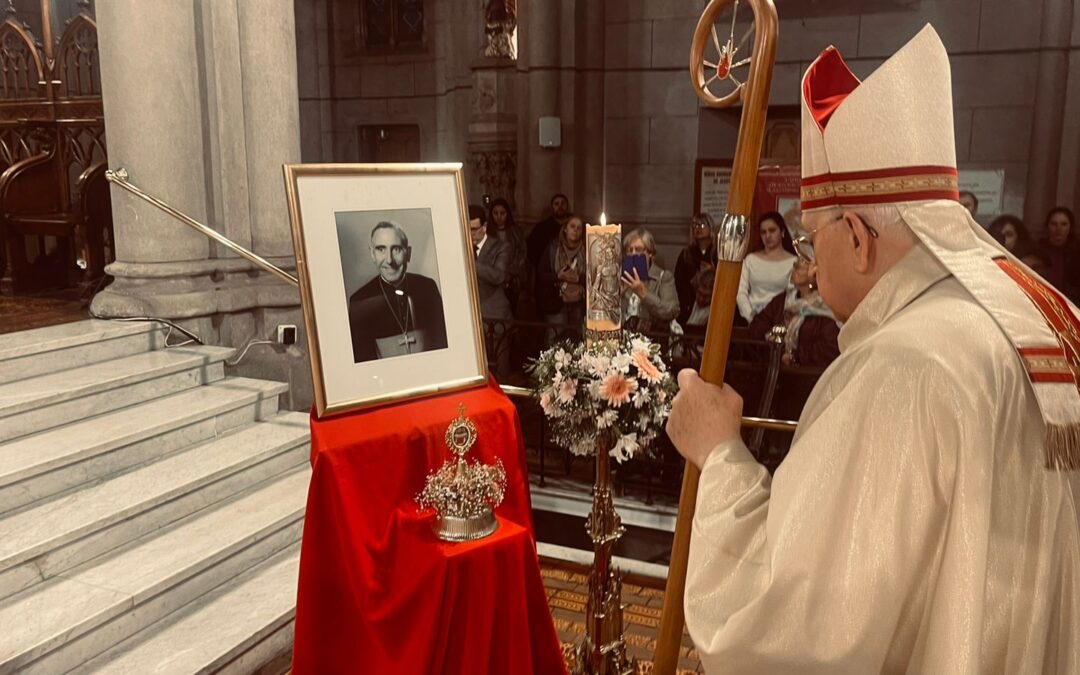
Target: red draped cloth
{"x": 378, "y": 592}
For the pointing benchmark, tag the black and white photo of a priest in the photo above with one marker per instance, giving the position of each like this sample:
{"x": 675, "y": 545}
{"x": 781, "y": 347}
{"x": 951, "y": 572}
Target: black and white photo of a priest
{"x": 397, "y": 312}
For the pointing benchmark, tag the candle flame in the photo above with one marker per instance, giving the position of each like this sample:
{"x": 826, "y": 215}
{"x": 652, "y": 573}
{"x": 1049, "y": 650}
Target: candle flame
{"x": 603, "y": 219}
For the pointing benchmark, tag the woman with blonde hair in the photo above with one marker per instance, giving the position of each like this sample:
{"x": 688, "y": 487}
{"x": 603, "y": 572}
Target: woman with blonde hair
{"x": 560, "y": 278}
{"x": 651, "y": 303}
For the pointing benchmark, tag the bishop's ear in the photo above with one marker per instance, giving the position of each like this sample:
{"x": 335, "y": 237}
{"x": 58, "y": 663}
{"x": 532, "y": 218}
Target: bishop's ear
{"x": 861, "y": 241}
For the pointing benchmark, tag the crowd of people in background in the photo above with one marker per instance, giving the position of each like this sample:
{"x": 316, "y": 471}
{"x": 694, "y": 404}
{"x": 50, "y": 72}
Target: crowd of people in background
{"x": 1055, "y": 257}
{"x": 541, "y": 278}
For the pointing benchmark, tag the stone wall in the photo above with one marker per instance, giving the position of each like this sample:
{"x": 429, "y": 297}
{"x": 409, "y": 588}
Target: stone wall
{"x": 342, "y": 87}
{"x": 615, "y": 72}
{"x": 652, "y": 117}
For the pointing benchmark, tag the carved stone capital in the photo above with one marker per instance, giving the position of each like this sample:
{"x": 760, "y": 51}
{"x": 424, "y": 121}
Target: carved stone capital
{"x": 496, "y": 170}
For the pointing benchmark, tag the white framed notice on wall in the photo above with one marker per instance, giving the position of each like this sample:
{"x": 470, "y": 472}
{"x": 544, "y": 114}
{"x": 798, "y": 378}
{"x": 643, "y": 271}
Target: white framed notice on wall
{"x": 988, "y": 186}
{"x": 712, "y": 183}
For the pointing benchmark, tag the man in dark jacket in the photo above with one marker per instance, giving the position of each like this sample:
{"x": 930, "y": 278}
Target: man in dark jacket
{"x": 492, "y": 275}
{"x": 547, "y": 229}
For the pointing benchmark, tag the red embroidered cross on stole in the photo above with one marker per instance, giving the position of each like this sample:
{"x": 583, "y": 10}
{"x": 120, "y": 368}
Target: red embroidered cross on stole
{"x": 1049, "y": 364}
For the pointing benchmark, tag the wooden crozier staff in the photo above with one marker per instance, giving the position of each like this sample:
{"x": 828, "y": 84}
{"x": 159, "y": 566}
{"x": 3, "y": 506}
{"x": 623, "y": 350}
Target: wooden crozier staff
{"x": 732, "y": 241}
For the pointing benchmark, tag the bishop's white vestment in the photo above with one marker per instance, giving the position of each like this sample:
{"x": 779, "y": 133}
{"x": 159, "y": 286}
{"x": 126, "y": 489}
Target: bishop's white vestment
{"x": 912, "y": 527}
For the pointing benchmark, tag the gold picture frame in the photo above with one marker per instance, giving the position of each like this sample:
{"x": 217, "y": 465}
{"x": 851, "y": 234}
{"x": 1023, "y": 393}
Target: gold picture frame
{"x": 339, "y": 213}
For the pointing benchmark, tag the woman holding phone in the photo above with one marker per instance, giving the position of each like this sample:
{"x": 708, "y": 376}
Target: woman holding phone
{"x": 560, "y": 279}
{"x": 649, "y": 298}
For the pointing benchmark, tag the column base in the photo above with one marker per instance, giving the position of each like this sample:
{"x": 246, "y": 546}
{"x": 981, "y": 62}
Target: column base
{"x": 190, "y": 289}
{"x": 227, "y": 302}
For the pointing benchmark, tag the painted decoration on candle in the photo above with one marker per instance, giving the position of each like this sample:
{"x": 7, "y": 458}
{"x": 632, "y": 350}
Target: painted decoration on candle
{"x": 603, "y": 300}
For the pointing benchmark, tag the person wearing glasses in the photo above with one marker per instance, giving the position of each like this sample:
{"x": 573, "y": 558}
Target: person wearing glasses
{"x": 765, "y": 272}
{"x": 650, "y": 304}
{"x": 699, "y": 253}
{"x": 923, "y": 520}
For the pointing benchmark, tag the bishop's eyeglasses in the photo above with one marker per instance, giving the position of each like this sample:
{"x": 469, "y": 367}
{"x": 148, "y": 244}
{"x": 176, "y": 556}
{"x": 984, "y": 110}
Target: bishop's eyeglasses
{"x": 804, "y": 244}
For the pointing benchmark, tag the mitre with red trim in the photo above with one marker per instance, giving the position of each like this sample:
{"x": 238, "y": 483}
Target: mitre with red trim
{"x": 889, "y": 140}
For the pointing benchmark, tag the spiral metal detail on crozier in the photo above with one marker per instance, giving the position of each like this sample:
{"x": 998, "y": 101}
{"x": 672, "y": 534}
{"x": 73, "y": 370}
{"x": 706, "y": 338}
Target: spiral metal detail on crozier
{"x": 732, "y": 238}
{"x": 603, "y": 651}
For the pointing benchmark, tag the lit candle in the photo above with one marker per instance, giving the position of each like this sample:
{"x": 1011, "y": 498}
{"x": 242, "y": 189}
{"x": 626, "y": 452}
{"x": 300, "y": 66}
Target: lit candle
{"x": 603, "y": 298}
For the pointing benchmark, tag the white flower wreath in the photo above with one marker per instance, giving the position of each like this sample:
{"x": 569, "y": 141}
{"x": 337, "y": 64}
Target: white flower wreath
{"x": 620, "y": 388}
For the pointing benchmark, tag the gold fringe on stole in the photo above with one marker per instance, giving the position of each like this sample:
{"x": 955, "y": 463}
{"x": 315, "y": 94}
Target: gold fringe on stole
{"x": 1062, "y": 447}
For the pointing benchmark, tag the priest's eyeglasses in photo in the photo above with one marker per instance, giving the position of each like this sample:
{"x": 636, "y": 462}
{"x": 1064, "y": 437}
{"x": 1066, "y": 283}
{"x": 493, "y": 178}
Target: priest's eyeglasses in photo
{"x": 804, "y": 244}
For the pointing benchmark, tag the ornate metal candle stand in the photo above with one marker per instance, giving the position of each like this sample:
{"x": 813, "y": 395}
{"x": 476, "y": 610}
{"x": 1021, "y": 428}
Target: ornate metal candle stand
{"x": 603, "y": 651}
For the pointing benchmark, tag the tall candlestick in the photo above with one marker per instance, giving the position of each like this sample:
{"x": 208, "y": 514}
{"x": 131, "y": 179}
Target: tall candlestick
{"x": 603, "y": 651}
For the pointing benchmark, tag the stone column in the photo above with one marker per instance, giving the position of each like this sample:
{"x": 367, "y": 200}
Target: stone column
{"x": 589, "y": 173}
{"x": 253, "y": 113}
{"x": 201, "y": 108}
{"x": 1049, "y": 119}
{"x": 271, "y": 117}
{"x": 1072, "y": 168}
{"x": 539, "y": 169}
{"x": 492, "y": 147}
{"x": 152, "y": 98}
{"x": 493, "y": 122}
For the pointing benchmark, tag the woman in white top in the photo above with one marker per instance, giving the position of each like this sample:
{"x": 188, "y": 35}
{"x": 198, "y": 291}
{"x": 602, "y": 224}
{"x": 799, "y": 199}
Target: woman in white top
{"x": 765, "y": 273}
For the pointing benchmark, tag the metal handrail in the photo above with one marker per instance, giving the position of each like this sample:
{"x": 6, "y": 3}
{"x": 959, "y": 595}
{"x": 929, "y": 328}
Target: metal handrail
{"x": 120, "y": 177}
{"x": 747, "y": 421}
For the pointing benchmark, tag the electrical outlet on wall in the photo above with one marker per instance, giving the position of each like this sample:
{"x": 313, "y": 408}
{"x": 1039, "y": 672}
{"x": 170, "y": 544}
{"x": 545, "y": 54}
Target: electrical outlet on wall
{"x": 286, "y": 334}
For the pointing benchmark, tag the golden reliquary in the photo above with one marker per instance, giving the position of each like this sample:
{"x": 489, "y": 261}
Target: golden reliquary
{"x": 463, "y": 494}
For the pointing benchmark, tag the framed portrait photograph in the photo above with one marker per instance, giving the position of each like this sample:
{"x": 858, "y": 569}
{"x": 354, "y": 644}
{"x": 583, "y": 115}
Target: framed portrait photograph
{"x": 386, "y": 280}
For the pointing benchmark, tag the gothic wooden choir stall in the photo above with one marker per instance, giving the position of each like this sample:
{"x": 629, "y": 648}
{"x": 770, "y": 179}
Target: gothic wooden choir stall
{"x": 55, "y": 212}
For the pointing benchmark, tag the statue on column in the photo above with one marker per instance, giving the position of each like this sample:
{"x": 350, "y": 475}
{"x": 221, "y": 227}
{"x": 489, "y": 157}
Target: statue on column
{"x": 500, "y": 21}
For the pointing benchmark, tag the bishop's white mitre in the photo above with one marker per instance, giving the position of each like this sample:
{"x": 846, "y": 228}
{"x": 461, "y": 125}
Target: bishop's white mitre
{"x": 889, "y": 140}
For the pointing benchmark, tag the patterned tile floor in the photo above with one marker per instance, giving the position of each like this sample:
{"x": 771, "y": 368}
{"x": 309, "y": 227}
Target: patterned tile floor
{"x": 567, "y": 588}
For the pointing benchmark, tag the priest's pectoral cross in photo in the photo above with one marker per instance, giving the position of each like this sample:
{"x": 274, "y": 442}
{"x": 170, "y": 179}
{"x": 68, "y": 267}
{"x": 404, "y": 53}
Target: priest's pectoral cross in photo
{"x": 401, "y": 344}
{"x": 410, "y": 340}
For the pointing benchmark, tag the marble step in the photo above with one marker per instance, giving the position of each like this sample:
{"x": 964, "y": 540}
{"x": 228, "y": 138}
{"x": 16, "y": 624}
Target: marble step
{"x": 66, "y": 621}
{"x": 41, "y": 351}
{"x": 39, "y": 403}
{"x": 56, "y": 535}
{"x": 46, "y": 464}
{"x": 234, "y": 629}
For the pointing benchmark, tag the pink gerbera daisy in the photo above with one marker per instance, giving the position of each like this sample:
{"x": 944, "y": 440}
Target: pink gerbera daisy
{"x": 616, "y": 389}
{"x": 645, "y": 367}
